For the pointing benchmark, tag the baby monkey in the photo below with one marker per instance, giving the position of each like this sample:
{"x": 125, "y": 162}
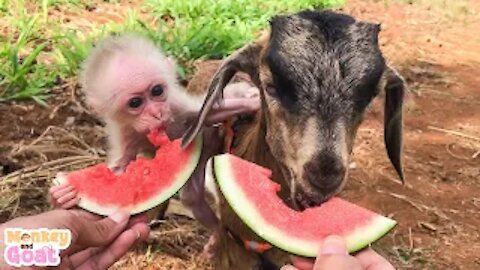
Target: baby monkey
{"x": 133, "y": 87}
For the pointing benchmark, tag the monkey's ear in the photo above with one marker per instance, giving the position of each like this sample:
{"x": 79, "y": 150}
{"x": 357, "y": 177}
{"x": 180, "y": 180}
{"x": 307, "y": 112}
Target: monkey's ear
{"x": 247, "y": 60}
{"x": 395, "y": 87}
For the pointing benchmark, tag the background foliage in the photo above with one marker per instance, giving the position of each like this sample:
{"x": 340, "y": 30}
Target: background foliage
{"x": 38, "y": 49}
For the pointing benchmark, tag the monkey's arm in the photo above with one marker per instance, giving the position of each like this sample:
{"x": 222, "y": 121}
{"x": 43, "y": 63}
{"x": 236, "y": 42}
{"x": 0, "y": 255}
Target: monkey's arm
{"x": 124, "y": 146}
{"x": 239, "y": 98}
{"x": 231, "y": 107}
{"x": 193, "y": 193}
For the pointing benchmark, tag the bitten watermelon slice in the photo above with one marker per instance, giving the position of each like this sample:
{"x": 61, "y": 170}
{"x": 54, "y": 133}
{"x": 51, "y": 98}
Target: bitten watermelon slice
{"x": 146, "y": 183}
{"x": 253, "y": 196}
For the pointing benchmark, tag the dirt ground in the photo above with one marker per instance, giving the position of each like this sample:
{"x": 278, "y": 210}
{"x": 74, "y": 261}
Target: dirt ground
{"x": 436, "y": 46}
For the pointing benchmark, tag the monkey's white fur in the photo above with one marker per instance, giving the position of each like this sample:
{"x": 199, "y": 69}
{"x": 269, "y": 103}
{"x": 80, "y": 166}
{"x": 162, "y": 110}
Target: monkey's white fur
{"x": 94, "y": 83}
{"x": 97, "y": 84}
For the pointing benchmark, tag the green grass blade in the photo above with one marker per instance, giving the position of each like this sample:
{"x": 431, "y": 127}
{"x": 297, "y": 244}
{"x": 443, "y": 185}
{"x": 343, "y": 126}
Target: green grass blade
{"x": 13, "y": 59}
{"x": 33, "y": 55}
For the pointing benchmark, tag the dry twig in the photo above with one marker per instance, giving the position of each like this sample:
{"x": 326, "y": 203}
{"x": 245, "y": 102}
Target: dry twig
{"x": 420, "y": 207}
{"x": 456, "y": 133}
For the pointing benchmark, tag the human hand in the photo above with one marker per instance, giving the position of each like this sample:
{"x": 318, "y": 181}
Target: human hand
{"x": 333, "y": 255}
{"x": 97, "y": 242}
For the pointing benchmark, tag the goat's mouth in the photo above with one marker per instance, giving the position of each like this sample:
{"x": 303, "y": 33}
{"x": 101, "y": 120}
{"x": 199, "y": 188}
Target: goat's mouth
{"x": 303, "y": 200}
{"x": 302, "y": 195}
{"x": 306, "y": 196}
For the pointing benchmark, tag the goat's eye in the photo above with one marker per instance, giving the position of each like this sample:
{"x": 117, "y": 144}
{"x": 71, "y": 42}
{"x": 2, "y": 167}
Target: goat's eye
{"x": 270, "y": 88}
{"x": 135, "y": 102}
{"x": 157, "y": 90}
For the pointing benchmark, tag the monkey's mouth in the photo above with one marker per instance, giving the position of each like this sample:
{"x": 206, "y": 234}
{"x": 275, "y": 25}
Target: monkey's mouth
{"x": 162, "y": 122}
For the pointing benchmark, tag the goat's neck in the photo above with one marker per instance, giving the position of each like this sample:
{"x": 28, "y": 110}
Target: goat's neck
{"x": 252, "y": 146}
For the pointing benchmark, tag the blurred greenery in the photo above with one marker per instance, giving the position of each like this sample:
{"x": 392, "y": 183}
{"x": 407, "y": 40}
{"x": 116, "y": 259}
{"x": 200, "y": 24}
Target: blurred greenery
{"x": 38, "y": 49}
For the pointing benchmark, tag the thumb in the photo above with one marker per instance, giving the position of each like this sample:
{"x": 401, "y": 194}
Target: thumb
{"x": 334, "y": 255}
{"x": 333, "y": 244}
{"x": 288, "y": 267}
{"x": 101, "y": 232}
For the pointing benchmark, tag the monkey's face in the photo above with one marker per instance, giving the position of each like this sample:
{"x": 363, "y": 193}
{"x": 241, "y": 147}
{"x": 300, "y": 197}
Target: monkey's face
{"x": 149, "y": 109}
{"x": 142, "y": 88}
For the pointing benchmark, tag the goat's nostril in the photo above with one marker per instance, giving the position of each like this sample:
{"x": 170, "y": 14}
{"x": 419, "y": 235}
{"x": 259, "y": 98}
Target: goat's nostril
{"x": 326, "y": 184}
{"x": 325, "y": 174}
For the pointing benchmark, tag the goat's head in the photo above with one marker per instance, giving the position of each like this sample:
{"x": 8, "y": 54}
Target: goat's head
{"x": 317, "y": 72}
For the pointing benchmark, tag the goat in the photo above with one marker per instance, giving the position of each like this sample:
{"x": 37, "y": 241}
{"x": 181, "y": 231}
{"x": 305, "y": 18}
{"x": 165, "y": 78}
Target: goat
{"x": 316, "y": 71}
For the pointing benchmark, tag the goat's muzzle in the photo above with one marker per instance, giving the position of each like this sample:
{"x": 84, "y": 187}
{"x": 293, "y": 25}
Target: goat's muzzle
{"x": 322, "y": 179}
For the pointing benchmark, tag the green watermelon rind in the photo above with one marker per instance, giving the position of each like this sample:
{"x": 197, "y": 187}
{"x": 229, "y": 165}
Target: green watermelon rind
{"x": 356, "y": 240}
{"x": 181, "y": 179}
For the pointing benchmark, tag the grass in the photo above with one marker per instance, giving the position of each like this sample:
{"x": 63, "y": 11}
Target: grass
{"x": 411, "y": 257}
{"x": 39, "y": 50}
{"x": 406, "y": 256}
{"x": 213, "y": 28}
{"x": 21, "y": 75}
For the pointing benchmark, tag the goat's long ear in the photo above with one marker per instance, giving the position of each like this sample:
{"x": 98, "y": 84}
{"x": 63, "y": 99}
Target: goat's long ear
{"x": 394, "y": 93}
{"x": 246, "y": 60}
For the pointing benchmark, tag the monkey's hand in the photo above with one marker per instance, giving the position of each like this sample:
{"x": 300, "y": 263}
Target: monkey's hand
{"x": 119, "y": 168}
{"x": 210, "y": 246}
{"x": 63, "y": 196}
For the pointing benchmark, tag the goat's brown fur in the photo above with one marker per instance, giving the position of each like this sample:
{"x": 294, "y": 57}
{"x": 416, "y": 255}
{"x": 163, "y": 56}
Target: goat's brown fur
{"x": 251, "y": 146}
{"x": 325, "y": 68}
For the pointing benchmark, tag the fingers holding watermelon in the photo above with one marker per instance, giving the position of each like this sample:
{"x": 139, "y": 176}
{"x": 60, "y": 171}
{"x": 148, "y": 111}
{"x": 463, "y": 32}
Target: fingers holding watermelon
{"x": 94, "y": 243}
{"x": 333, "y": 254}
{"x": 64, "y": 196}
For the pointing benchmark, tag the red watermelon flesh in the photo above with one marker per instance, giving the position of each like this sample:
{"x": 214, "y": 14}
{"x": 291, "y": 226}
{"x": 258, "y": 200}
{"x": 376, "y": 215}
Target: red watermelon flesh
{"x": 253, "y": 196}
{"x": 145, "y": 183}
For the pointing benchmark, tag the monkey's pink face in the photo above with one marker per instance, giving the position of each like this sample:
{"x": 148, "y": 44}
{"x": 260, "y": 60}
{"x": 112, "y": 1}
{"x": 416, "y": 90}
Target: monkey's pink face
{"x": 142, "y": 94}
{"x": 148, "y": 109}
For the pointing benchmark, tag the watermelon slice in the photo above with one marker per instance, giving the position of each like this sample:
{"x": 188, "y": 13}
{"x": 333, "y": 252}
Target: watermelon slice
{"x": 253, "y": 196}
{"x": 145, "y": 184}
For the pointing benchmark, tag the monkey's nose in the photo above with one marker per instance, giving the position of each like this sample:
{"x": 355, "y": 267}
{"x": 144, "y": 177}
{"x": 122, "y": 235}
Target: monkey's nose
{"x": 156, "y": 111}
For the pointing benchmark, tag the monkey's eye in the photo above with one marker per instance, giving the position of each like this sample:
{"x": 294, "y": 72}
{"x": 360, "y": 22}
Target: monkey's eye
{"x": 135, "y": 102}
{"x": 157, "y": 90}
